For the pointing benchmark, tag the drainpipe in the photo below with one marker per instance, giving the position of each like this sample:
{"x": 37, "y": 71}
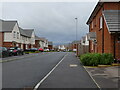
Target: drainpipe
{"x": 89, "y": 40}
{"x": 103, "y": 32}
{"x": 114, "y": 46}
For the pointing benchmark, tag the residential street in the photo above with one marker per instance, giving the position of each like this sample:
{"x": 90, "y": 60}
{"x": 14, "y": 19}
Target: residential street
{"x": 27, "y": 72}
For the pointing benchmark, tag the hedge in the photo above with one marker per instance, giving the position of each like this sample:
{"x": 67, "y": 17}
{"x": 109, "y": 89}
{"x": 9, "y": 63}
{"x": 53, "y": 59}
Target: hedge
{"x": 94, "y": 59}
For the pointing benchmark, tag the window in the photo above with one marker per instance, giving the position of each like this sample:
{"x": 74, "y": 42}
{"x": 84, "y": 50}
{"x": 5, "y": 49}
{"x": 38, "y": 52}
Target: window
{"x": 14, "y": 34}
{"x": 92, "y": 25}
{"x": 26, "y": 38}
{"x": 101, "y": 22}
{"x": 17, "y": 35}
{"x": 118, "y": 38}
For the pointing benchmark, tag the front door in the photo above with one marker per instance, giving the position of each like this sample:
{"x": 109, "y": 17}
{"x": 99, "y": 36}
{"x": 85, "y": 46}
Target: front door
{"x": 24, "y": 46}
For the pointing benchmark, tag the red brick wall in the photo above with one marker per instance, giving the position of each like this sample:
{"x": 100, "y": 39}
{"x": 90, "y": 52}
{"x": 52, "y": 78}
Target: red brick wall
{"x": 50, "y": 47}
{"x": 7, "y": 44}
{"x": 36, "y": 44}
{"x": 108, "y": 37}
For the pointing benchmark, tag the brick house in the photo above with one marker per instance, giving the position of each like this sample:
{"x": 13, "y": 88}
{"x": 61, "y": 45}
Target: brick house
{"x": 104, "y": 28}
{"x": 50, "y": 45}
{"x": 27, "y": 38}
{"x": 41, "y": 42}
{"x": 12, "y": 35}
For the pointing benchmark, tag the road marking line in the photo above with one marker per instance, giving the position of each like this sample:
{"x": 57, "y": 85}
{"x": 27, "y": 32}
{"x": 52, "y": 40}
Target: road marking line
{"x": 37, "y": 86}
{"x": 92, "y": 78}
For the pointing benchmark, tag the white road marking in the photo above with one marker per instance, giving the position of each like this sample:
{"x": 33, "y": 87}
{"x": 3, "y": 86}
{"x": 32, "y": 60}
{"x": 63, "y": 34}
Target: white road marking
{"x": 91, "y": 76}
{"x": 73, "y": 65}
{"x": 37, "y": 86}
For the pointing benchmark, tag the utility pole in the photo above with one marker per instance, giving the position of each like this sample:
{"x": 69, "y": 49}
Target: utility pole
{"x": 76, "y": 34}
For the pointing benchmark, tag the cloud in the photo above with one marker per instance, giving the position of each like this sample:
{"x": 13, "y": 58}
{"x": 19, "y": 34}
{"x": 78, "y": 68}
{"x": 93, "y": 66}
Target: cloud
{"x": 53, "y": 20}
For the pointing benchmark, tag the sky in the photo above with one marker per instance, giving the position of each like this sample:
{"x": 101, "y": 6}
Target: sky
{"x": 52, "y": 20}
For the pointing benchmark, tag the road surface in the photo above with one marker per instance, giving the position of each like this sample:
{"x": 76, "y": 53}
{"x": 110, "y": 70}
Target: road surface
{"x": 27, "y": 72}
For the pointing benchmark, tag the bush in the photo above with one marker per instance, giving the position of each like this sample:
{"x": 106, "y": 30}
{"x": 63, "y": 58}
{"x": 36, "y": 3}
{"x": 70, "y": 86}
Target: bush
{"x": 106, "y": 59}
{"x": 93, "y": 59}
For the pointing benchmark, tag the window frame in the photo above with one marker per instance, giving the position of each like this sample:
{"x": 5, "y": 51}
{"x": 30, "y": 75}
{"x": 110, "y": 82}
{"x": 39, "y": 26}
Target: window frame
{"x": 14, "y": 34}
{"x": 101, "y": 22}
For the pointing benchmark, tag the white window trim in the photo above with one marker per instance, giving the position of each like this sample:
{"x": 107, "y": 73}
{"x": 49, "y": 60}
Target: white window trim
{"x": 92, "y": 25}
{"x": 101, "y": 22}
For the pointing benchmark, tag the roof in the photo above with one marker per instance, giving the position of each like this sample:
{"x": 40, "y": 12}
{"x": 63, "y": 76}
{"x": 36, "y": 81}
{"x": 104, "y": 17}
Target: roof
{"x": 40, "y": 38}
{"x": 112, "y": 19}
{"x": 22, "y": 32}
{"x": 7, "y": 26}
{"x": 91, "y": 35}
{"x": 28, "y": 32}
{"x": 25, "y": 32}
{"x": 97, "y": 8}
{"x": 37, "y": 38}
{"x": 50, "y": 43}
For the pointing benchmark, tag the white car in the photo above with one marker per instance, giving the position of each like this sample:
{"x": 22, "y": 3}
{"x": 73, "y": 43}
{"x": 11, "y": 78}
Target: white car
{"x": 46, "y": 50}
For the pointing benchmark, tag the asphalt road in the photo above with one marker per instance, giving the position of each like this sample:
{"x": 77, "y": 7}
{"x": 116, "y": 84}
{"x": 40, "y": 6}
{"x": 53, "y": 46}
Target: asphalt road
{"x": 27, "y": 72}
{"x": 70, "y": 73}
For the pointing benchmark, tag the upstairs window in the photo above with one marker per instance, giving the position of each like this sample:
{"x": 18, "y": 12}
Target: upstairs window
{"x": 92, "y": 25}
{"x": 118, "y": 38}
{"x": 14, "y": 34}
{"x": 17, "y": 35}
{"x": 101, "y": 22}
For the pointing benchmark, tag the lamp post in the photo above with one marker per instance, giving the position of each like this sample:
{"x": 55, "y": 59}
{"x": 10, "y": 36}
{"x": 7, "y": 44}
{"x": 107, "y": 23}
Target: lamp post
{"x": 76, "y": 33}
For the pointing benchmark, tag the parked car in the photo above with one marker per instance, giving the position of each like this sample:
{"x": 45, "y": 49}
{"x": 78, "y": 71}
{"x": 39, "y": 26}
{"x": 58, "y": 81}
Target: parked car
{"x": 3, "y": 52}
{"x": 41, "y": 50}
{"x": 46, "y": 50}
{"x": 31, "y": 50}
{"x": 16, "y": 51}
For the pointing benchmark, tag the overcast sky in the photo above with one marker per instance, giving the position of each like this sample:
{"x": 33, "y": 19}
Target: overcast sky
{"x": 53, "y": 20}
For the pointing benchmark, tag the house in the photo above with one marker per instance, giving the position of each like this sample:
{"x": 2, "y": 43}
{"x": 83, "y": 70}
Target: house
{"x": 14, "y": 36}
{"x": 10, "y": 33}
{"x": 83, "y": 46}
{"x": 41, "y": 42}
{"x": 104, "y": 28}
{"x": 61, "y": 48}
{"x": 27, "y": 37}
{"x": 50, "y": 45}
{"x": 75, "y": 45}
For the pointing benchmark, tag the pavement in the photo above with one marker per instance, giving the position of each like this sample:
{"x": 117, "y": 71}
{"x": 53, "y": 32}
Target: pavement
{"x": 106, "y": 77}
{"x": 69, "y": 74}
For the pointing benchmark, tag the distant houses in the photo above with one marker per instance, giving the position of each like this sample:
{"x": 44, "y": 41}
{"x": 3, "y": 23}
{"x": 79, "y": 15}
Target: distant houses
{"x": 104, "y": 28}
{"x": 41, "y": 42}
{"x": 12, "y": 35}
{"x": 50, "y": 45}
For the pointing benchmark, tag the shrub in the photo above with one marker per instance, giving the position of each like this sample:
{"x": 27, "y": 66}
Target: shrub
{"x": 93, "y": 59}
{"x": 107, "y": 59}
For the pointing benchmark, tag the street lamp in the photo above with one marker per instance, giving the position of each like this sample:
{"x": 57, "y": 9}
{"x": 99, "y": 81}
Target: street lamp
{"x": 76, "y": 33}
